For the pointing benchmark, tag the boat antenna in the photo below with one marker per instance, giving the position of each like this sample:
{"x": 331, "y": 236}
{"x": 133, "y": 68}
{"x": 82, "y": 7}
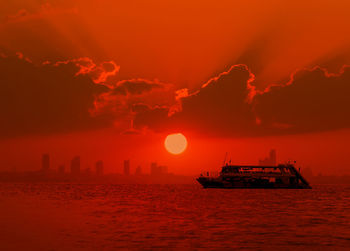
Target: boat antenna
{"x": 225, "y": 158}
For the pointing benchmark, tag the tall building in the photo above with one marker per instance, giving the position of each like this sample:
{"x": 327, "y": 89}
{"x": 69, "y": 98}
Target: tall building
{"x": 127, "y": 167}
{"x": 273, "y": 157}
{"x": 154, "y": 168}
{"x": 75, "y": 166}
{"x": 99, "y": 168}
{"x": 269, "y": 161}
{"x": 45, "y": 162}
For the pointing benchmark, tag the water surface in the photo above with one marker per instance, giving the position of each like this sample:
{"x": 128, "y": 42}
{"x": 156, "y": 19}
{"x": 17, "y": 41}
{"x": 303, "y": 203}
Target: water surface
{"x": 109, "y": 217}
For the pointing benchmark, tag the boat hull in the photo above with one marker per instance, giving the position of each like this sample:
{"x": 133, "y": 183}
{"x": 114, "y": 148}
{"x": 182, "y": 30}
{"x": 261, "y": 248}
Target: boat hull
{"x": 208, "y": 182}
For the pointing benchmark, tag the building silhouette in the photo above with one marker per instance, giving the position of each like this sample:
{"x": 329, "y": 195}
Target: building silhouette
{"x": 126, "y": 167}
{"x": 154, "y": 169}
{"x": 75, "y": 166}
{"x": 138, "y": 170}
{"x": 158, "y": 170}
{"x": 45, "y": 162}
{"x": 271, "y": 160}
{"x": 99, "y": 168}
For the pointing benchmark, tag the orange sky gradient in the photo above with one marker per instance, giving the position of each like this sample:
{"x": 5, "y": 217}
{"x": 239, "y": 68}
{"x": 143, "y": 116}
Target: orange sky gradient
{"x": 111, "y": 79}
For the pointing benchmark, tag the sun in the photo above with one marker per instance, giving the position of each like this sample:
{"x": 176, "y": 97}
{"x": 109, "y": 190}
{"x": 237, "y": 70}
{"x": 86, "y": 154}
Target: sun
{"x": 175, "y": 143}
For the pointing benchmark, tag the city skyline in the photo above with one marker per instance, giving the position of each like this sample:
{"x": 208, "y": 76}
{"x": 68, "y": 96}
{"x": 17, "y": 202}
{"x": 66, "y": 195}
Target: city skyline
{"x": 131, "y": 173}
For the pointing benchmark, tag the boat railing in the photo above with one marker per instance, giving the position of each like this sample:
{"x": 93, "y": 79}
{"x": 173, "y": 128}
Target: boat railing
{"x": 212, "y": 174}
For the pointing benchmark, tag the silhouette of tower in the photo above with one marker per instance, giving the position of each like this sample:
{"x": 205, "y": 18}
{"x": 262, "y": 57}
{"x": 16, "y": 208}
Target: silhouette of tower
{"x": 99, "y": 168}
{"x": 75, "y": 166}
{"x": 269, "y": 161}
{"x": 126, "y": 167}
{"x": 45, "y": 162}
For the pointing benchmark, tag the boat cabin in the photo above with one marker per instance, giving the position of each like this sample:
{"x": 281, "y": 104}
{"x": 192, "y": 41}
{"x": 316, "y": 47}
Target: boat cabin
{"x": 235, "y": 169}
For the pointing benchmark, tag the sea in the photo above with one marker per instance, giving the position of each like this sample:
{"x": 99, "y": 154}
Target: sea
{"x": 172, "y": 217}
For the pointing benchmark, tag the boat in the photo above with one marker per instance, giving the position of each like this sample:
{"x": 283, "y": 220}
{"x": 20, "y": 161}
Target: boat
{"x": 245, "y": 176}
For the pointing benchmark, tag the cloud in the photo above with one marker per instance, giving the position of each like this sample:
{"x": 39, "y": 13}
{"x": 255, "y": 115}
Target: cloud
{"x": 313, "y": 100}
{"x": 70, "y": 96}
{"x": 228, "y": 105}
{"x": 221, "y": 107}
{"x": 46, "y": 98}
{"x": 155, "y": 118}
{"x": 123, "y": 96}
{"x": 136, "y": 86}
{"x": 98, "y": 73}
{"x": 49, "y": 31}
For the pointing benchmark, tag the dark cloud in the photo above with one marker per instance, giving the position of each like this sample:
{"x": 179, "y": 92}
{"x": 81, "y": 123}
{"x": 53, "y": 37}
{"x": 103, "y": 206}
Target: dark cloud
{"x": 313, "y": 100}
{"x": 155, "y": 118}
{"x": 45, "y": 99}
{"x": 68, "y": 96}
{"x": 136, "y": 86}
{"x": 126, "y": 95}
{"x": 221, "y": 107}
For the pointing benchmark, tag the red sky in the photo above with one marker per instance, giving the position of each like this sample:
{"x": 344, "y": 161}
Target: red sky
{"x": 100, "y": 79}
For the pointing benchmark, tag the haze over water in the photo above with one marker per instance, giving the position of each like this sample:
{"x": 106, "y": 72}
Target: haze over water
{"x": 107, "y": 217}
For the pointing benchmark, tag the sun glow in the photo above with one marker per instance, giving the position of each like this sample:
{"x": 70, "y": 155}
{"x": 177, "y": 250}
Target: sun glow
{"x": 175, "y": 143}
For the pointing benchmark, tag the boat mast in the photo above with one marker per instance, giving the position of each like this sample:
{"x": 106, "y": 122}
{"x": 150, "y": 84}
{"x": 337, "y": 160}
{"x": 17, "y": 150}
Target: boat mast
{"x": 225, "y": 158}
